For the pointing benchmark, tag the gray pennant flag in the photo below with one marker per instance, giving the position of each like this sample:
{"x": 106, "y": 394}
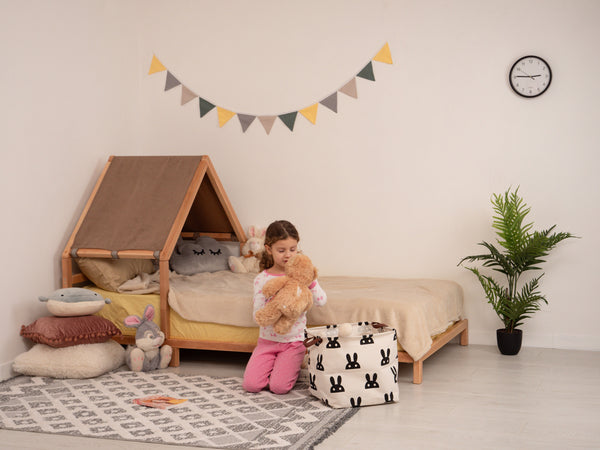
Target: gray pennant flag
{"x": 330, "y": 102}
{"x": 245, "y": 120}
{"x": 171, "y": 81}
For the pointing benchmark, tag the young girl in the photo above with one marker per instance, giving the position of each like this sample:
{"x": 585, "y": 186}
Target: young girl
{"x": 276, "y": 360}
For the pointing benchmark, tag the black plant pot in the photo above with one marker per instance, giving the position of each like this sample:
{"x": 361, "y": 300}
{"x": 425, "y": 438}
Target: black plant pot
{"x": 509, "y": 343}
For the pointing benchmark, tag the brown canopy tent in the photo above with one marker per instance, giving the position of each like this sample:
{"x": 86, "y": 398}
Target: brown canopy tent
{"x": 140, "y": 207}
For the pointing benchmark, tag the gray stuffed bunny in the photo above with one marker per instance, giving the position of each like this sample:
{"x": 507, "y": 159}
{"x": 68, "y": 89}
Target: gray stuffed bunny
{"x": 147, "y": 354}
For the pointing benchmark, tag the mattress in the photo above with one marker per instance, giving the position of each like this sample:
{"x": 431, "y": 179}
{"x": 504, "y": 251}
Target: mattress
{"x": 123, "y": 305}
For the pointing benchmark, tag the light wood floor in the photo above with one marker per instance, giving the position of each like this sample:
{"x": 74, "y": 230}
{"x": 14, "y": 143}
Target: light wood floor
{"x": 471, "y": 398}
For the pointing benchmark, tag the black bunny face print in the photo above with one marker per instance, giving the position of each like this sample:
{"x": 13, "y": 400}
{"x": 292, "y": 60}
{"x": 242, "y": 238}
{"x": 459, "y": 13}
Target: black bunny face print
{"x": 385, "y": 357}
{"x": 371, "y": 384}
{"x": 367, "y": 339}
{"x": 336, "y": 387}
{"x": 355, "y": 404}
{"x": 333, "y": 342}
{"x": 319, "y": 365}
{"x": 352, "y": 363}
{"x": 311, "y": 379}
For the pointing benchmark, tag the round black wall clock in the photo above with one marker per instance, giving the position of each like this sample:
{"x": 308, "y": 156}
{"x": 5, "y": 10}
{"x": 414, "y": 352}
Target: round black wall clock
{"x": 530, "y": 76}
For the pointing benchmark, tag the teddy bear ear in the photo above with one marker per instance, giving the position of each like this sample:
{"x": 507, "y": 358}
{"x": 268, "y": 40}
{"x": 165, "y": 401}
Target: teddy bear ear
{"x": 262, "y": 232}
{"x": 252, "y": 231}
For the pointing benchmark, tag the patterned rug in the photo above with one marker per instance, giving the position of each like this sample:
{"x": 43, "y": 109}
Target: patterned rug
{"x": 217, "y": 412}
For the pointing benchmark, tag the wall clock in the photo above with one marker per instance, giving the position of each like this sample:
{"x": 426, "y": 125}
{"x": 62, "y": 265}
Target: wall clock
{"x": 530, "y": 76}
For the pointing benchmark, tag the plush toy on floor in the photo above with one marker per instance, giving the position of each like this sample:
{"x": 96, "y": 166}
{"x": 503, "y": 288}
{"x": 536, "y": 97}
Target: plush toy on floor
{"x": 147, "y": 354}
{"x": 252, "y": 251}
{"x": 290, "y": 294}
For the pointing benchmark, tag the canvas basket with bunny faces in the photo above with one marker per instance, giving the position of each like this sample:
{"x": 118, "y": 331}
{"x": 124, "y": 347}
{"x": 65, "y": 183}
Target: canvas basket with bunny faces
{"x": 351, "y": 365}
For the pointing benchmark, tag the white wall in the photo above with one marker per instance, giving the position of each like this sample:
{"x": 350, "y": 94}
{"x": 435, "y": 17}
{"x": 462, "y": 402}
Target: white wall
{"x": 396, "y": 184}
{"x": 69, "y": 91}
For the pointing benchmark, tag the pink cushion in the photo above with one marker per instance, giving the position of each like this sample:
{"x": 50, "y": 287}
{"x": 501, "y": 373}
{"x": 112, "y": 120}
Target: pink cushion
{"x": 68, "y": 331}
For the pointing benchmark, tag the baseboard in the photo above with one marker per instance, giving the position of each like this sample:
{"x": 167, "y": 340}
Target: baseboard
{"x": 6, "y": 371}
{"x": 558, "y": 341}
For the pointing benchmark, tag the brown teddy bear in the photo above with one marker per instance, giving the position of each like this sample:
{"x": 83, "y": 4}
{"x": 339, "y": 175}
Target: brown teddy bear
{"x": 290, "y": 295}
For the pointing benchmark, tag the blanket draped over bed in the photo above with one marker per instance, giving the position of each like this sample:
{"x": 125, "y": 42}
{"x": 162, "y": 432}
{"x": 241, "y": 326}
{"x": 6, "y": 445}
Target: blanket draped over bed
{"x": 418, "y": 309}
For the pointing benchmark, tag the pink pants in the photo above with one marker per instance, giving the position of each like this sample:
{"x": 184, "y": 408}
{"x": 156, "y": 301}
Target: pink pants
{"x": 274, "y": 364}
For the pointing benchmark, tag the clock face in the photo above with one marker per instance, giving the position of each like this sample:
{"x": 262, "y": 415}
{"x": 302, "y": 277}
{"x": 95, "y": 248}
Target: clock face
{"x": 530, "y": 76}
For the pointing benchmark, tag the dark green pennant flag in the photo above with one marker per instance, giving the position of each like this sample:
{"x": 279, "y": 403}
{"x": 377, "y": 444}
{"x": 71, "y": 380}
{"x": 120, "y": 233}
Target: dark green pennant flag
{"x": 289, "y": 119}
{"x": 205, "y": 107}
{"x": 367, "y": 72}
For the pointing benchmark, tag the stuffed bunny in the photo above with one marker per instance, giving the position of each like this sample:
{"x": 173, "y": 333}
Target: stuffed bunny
{"x": 145, "y": 355}
{"x": 252, "y": 251}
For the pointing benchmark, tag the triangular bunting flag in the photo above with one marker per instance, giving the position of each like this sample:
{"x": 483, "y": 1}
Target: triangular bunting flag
{"x": 367, "y": 72}
{"x": 171, "y": 81}
{"x": 186, "y": 95}
{"x": 330, "y": 102}
{"x": 289, "y": 119}
{"x": 310, "y": 113}
{"x": 267, "y": 122}
{"x": 205, "y": 107}
{"x": 350, "y": 88}
{"x": 245, "y": 121}
{"x": 384, "y": 55}
{"x": 156, "y": 66}
{"x": 224, "y": 115}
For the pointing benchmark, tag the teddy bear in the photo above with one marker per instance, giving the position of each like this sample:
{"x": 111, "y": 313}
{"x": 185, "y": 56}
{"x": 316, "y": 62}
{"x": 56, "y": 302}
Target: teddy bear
{"x": 147, "y": 354}
{"x": 252, "y": 251}
{"x": 290, "y": 295}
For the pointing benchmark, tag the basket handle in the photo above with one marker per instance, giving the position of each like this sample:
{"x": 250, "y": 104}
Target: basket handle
{"x": 312, "y": 340}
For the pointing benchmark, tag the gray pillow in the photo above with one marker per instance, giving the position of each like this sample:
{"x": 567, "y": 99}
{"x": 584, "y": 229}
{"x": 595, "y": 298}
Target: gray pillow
{"x": 204, "y": 254}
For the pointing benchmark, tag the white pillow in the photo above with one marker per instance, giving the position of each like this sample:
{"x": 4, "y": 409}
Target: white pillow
{"x": 78, "y": 361}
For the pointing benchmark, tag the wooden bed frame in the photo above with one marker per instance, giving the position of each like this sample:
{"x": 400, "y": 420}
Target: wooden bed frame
{"x": 203, "y": 205}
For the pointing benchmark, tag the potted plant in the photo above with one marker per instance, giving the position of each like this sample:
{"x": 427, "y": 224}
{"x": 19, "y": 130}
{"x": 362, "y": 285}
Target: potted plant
{"x": 519, "y": 250}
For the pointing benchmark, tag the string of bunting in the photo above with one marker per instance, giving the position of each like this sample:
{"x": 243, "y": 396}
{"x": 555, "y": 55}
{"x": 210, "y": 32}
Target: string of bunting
{"x": 289, "y": 119}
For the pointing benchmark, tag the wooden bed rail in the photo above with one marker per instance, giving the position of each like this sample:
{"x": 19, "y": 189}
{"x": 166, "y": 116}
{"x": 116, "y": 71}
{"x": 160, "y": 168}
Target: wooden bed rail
{"x": 459, "y": 328}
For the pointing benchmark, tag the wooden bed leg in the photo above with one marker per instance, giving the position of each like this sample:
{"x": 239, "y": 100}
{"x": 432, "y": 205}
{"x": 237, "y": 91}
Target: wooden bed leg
{"x": 464, "y": 337}
{"x": 418, "y": 372}
{"x": 175, "y": 358}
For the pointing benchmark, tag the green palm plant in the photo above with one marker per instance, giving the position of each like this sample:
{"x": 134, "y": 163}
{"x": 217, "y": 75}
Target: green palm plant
{"x": 519, "y": 250}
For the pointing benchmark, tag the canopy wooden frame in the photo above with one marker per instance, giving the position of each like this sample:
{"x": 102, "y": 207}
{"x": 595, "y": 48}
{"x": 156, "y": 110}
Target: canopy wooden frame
{"x": 180, "y": 196}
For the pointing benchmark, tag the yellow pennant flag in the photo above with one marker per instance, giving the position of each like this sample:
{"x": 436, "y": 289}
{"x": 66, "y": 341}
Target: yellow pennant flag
{"x": 310, "y": 113}
{"x": 156, "y": 66}
{"x": 224, "y": 115}
{"x": 384, "y": 55}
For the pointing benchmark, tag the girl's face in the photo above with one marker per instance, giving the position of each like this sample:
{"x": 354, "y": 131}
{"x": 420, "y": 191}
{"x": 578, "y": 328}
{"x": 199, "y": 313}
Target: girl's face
{"x": 282, "y": 251}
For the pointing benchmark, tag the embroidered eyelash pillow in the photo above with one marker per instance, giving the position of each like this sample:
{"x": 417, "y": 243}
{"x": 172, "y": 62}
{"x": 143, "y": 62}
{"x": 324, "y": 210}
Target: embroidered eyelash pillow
{"x": 204, "y": 254}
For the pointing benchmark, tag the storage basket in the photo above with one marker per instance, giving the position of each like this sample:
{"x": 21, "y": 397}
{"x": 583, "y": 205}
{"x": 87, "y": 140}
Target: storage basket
{"x": 357, "y": 368}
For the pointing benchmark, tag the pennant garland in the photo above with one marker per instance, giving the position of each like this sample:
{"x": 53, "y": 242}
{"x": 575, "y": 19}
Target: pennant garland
{"x": 289, "y": 119}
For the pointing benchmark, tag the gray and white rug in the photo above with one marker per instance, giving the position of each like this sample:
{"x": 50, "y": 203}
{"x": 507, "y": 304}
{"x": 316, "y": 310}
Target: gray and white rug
{"x": 218, "y": 412}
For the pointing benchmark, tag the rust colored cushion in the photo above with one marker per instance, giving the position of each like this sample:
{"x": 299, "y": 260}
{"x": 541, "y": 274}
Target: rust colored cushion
{"x": 68, "y": 331}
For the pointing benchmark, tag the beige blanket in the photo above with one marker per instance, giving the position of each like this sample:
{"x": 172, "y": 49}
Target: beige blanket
{"x": 417, "y": 309}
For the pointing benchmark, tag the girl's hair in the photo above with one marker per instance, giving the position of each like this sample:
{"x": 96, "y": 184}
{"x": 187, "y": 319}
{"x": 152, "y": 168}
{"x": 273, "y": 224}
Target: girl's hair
{"x": 277, "y": 231}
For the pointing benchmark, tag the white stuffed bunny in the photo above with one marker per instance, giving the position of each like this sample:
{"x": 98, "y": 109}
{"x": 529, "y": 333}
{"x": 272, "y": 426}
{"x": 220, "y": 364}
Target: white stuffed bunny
{"x": 252, "y": 251}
